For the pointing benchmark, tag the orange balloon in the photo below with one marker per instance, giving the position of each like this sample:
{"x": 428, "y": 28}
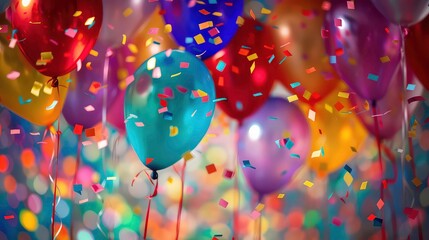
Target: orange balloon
{"x": 24, "y": 90}
{"x": 297, "y": 37}
{"x": 152, "y": 38}
{"x": 335, "y": 129}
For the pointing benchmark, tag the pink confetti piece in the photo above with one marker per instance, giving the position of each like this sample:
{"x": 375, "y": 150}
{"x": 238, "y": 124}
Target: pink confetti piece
{"x": 153, "y": 31}
{"x": 15, "y": 131}
{"x": 70, "y": 32}
{"x": 162, "y": 110}
{"x": 184, "y": 65}
{"x": 78, "y": 65}
{"x": 228, "y": 174}
{"x": 336, "y": 221}
{"x": 89, "y": 108}
{"x": 83, "y": 201}
{"x": 33, "y": 133}
{"x": 97, "y": 188}
{"x": 168, "y": 52}
{"x": 13, "y": 42}
{"x": 223, "y": 203}
{"x": 182, "y": 89}
{"x": 380, "y": 204}
{"x": 326, "y": 5}
{"x": 156, "y": 73}
{"x": 255, "y": 214}
{"x": 13, "y": 75}
{"x": 139, "y": 124}
{"x": 350, "y": 5}
{"x": 338, "y": 22}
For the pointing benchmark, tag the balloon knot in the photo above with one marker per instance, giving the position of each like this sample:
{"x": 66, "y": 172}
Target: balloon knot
{"x": 54, "y": 82}
{"x": 154, "y": 175}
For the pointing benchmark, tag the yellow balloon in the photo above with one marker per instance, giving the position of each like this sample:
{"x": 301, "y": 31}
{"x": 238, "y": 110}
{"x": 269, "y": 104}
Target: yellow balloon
{"x": 152, "y": 38}
{"x": 24, "y": 90}
{"x": 336, "y": 132}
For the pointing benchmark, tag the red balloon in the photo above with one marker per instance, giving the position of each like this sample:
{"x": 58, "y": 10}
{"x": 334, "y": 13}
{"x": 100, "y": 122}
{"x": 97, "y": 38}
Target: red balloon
{"x": 242, "y": 72}
{"x": 53, "y": 35}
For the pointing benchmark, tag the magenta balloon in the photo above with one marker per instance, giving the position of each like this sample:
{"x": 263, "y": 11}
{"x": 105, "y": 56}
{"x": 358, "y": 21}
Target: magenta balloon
{"x": 366, "y": 47}
{"x": 403, "y": 12}
{"x": 123, "y": 17}
{"x": 81, "y": 97}
{"x": 390, "y": 106}
{"x": 274, "y": 166}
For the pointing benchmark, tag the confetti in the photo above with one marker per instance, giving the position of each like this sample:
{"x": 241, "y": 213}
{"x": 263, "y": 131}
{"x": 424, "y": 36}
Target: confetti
{"x": 281, "y": 195}
{"x": 77, "y": 188}
{"x": 411, "y": 87}
{"x": 411, "y": 213}
{"x": 343, "y": 94}
{"x": 336, "y": 221}
{"x": 363, "y": 185}
{"x": 247, "y": 164}
{"x": 308, "y": 184}
{"x": 348, "y": 178}
{"x": 310, "y": 70}
{"x": 228, "y": 174}
{"x": 380, "y": 204}
{"x": 97, "y": 188}
{"x": 223, "y": 203}
{"x": 211, "y": 168}
{"x": 199, "y": 39}
{"x": 311, "y": 115}
{"x": 385, "y": 59}
{"x": 9, "y": 217}
{"x": 13, "y": 75}
{"x": 187, "y": 156}
{"x": 15, "y": 131}
{"x": 102, "y": 144}
{"x": 373, "y": 77}
{"x": 292, "y": 98}
{"x": 174, "y": 131}
{"x": 89, "y": 108}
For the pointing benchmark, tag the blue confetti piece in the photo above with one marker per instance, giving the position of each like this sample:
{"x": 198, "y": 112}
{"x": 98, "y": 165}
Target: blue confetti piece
{"x": 247, "y": 164}
{"x": 220, "y": 66}
{"x": 348, "y": 168}
{"x": 188, "y": 40}
{"x": 245, "y": 47}
{"x": 22, "y": 102}
{"x": 295, "y": 84}
{"x": 378, "y": 222}
{"x": 294, "y": 155}
{"x": 219, "y": 99}
{"x": 333, "y": 59}
{"x": 211, "y": 40}
{"x": 69, "y": 80}
{"x": 91, "y": 25}
{"x": 284, "y": 58}
{"x": 272, "y": 118}
{"x": 156, "y": 43}
{"x": 167, "y": 116}
{"x": 239, "y": 105}
{"x": 411, "y": 87}
{"x": 322, "y": 151}
{"x": 14, "y": 31}
{"x": 278, "y": 143}
{"x": 257, "y": 94}
{"x": 77, "y": 188}
{"x": 373, "y": 77}
{"x": 271, "y": 58}
{"x": 289, "y": 144}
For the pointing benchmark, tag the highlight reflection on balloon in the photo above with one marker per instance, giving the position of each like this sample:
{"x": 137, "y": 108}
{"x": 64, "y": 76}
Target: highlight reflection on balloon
{"x": 403, "y": 12}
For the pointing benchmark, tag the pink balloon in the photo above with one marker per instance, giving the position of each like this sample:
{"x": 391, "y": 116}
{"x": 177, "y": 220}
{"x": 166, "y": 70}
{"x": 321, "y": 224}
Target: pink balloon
{"x": 389, "y": 107}
{"x": 273, "y": 167}
{"x": 363, "y": 46}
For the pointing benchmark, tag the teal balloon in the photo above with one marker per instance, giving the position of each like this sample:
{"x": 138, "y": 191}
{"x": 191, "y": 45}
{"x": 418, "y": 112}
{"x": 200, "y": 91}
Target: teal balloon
{"x": 168, "y": 107}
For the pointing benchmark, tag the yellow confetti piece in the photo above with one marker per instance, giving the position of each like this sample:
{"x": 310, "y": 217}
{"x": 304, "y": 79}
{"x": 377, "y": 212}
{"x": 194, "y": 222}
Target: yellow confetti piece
{"x": 89, "y": 21}
{"x": 48, "y": 89}
{"x": 329, "y": 108}
{"x": 188, "y": 156}
{"x": 316, "y": 153}
{"x": 201, "y": 93}
{"x": 259, "y": 207}
{"x": 205, "y": 25}
{"x": 408, "y": 157}
{"x": 176, "y": 74}
{"x": 77, "y": 13}
{"x": 217, "y": 40}
{"x": 348, "y": 179}
{"x": 124, "y": 39}
{"x": 174, "y": 131}
{"x": 311, "y": 115}
{"x": 199, "y": 39}
{"x": 385, "y": 59}
{"x": 151, "y": 63}
{"x": 239, "y": 21}
{"x": 307, "y": 95}
{"x": 252, "y": 68}
{"x": 281, "y": 195}
{"x": 252, "y": 57}
{"x": 343, "y": 94}
{"x": 308, "y": 184}
{"x": 168, "y": 28}
{"x": 93, "y": 53}
{"x": 363, "y": 185}
{"x": 127, "y": 12}
{"x": 217, "y": 14}
{"x": 265, "y": 11}
{"x": 37, "y": 86}
{"x": 133, "y": 48}
{"x": 292, "y": 98}
{"x": 417, "y": 182}
{"x": 46, "y": 56}
{"x": 148, "y": 42}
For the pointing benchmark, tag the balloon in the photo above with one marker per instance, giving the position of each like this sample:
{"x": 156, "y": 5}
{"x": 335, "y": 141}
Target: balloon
{"x": 84, "y": 104}
{"x": 254, "y": 7}
{"x": 123, "y": 17}
{"x": 156, "y": 33}
{"x": 272, "y": 167}
{"x": 300, "y": 50}
{"x": 203, "y": 28}
{"x": 366, "y": 47}
{"x": 417, "y": 52}
{"x": 336, "y": 130}
{"x": 54, "y": 35}
{"x": 168, "y": 107}
{"x": 24, "y": 91}
{"x": 3, "y": 5}
{"x": 231, "y": 69}
{"x": 403, "y": 12}
{"x": 389, "y": 107}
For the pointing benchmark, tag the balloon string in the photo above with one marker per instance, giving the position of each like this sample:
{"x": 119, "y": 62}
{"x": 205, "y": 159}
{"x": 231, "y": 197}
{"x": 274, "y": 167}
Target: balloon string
{"x": 236, "y": 213}
{"x": 179, "y": 212}
{"x": 54, "y": 204}
{"x": 76, "y": 170}
{"x": 392, "y": 210}
{"x": 380, "y": 161}
{"x": 155, "y": 192}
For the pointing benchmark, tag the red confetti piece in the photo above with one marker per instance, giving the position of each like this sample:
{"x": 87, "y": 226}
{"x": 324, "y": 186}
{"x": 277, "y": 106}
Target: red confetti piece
{"x": 371, "y": 217}
{"x": 211, "y": 168}
{"x": 310, "y": 70}
{"x": 90, "y": 132}
{"x": 287, "y": 53}
{"x": 9, "y": 217}
{"x": 228, "y": 174}
{"x": 338, "y": 106}
{"x": 339, "y": 52}
{"x": 78, "y": 129}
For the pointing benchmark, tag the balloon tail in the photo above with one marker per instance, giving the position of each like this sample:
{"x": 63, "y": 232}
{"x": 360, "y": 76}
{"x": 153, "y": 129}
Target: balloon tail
{"x": 155, "y": 192}
{"x": 380, "y": 161}
{"x": 179, "y": 211}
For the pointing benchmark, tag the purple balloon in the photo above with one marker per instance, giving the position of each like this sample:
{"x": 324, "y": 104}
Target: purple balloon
{"x": 403, "y": 12}
{"x": 389, "y": 108}
{"x": 370, "y": 44}
{"x": 274, "y": 166}
{"x": 80, "y": 97}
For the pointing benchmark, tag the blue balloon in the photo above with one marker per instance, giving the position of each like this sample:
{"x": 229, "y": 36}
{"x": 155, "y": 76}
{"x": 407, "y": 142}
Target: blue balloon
{"x": 203, "y": 29}
{"x": 168, "y": 107}
{"x": 3, "y": 5}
